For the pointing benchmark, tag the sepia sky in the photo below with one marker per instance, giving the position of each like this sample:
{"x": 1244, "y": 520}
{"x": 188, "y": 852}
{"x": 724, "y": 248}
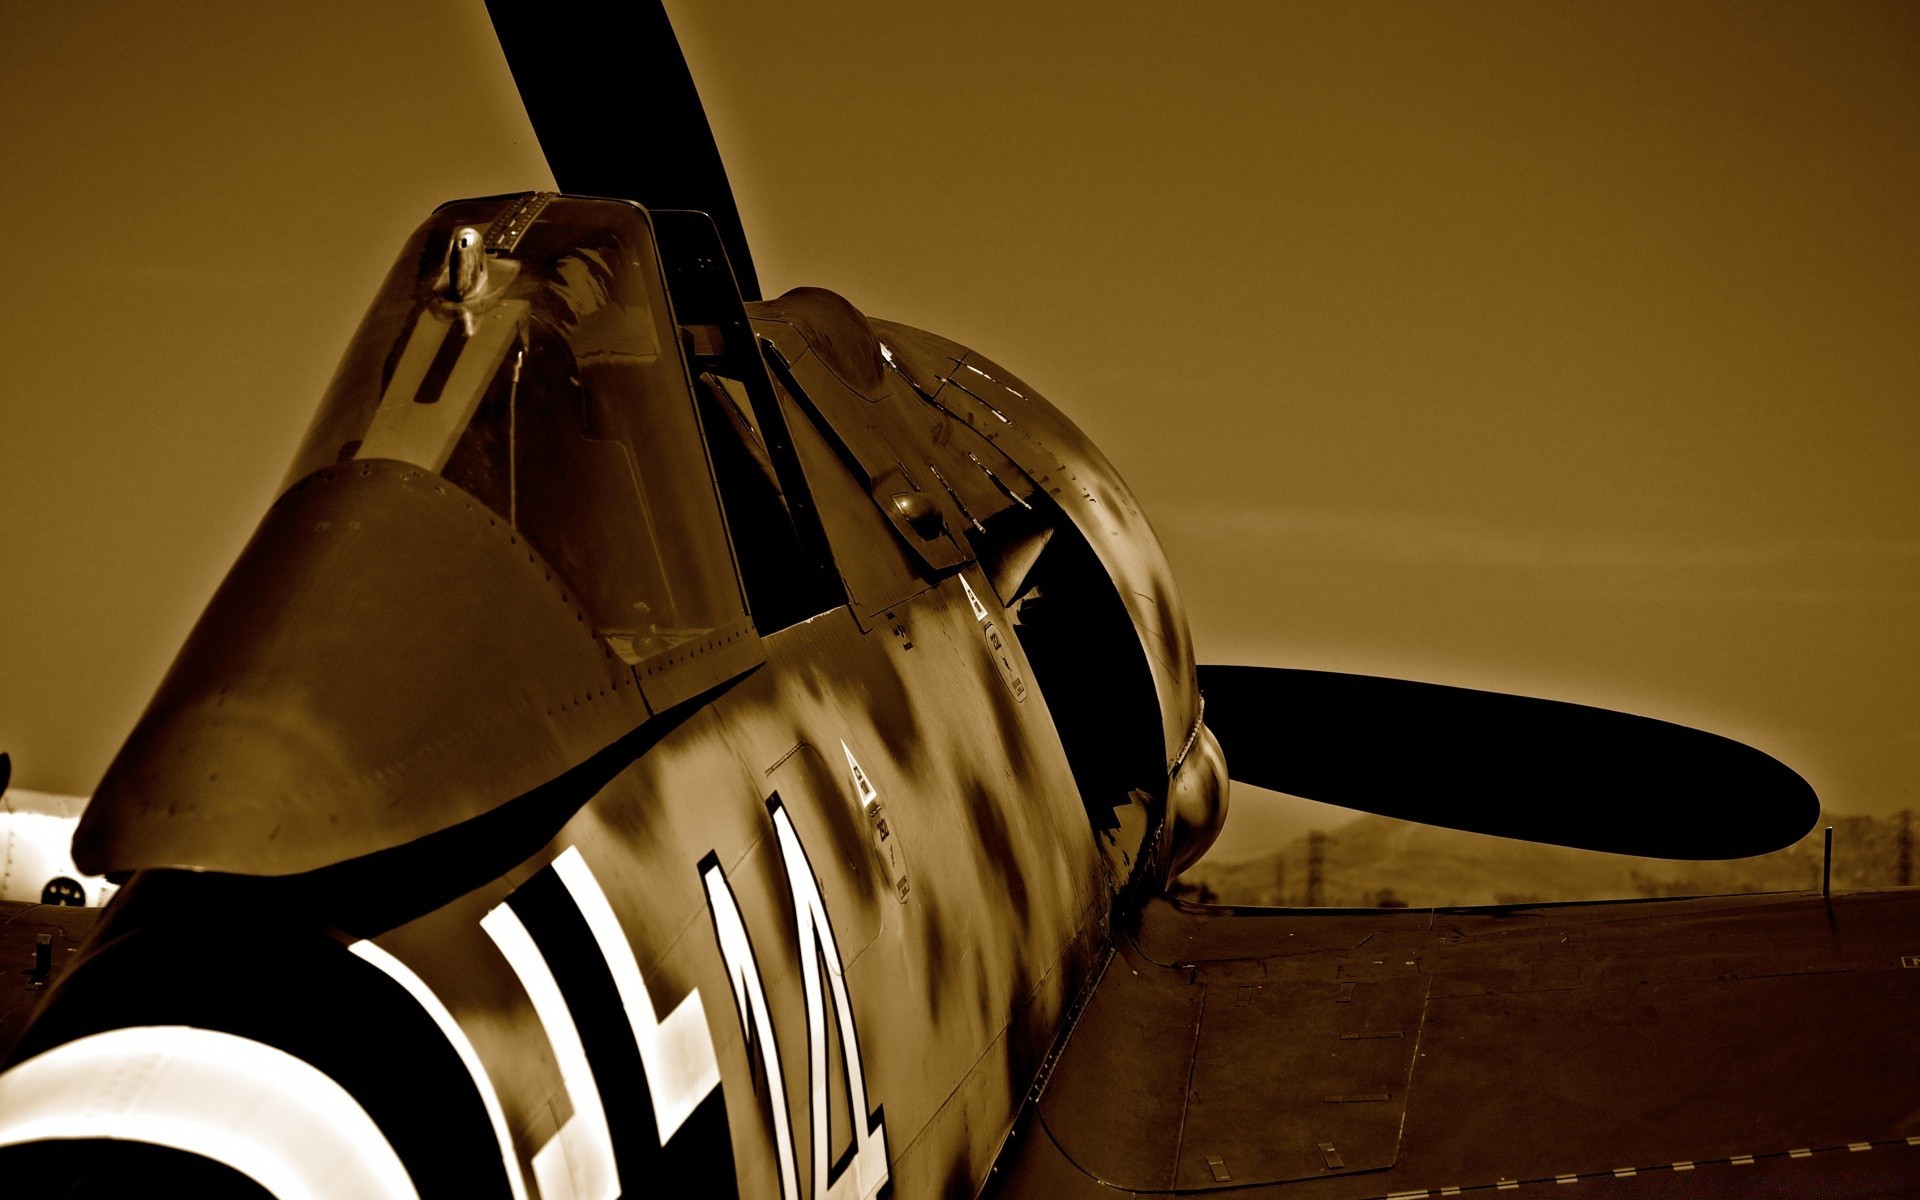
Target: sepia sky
{"x": 1567, "y": 349}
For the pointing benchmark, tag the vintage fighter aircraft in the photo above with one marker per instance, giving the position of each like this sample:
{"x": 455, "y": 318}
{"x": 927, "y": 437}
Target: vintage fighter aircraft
{"x": 663, "y": 740}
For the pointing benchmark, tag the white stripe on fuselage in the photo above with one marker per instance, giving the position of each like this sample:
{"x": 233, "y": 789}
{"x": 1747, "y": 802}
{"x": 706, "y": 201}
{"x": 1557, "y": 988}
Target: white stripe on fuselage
{"x": 450, "y": 1029}
{"x": 756, "y": 1020}
{"x": 682, "y": 1069}
{"x": 866, "y": 1172}
{"x": 577, "y": 1162}
{"x": 276, "y": 1119}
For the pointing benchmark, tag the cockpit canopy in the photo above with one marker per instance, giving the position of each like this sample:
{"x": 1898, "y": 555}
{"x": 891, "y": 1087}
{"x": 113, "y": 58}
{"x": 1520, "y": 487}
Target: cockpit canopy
{"x": 499, "y": 552}
{"x": 552, "y": 390}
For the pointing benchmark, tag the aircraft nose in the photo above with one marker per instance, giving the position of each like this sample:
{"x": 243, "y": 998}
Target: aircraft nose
{"x": 386, "y": 659}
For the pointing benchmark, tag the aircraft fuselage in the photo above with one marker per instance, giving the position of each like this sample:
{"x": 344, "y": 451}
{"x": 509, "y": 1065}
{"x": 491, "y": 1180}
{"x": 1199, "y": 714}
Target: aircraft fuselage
{"x": 770, "y": 866}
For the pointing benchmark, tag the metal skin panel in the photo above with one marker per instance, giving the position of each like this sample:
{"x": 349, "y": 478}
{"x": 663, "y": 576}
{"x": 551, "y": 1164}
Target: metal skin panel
{"x": 385, "y": 660}
{"x": 817, "y": 793}
{"x": 857, "y": 425}
{"x": 878, "y": 570}
{"x": 994, "y": 903}
{"x": 1058, "y": 457}
{"x": 901, "y": 442}
{"x": 956, "y": 989}
{"x": 1728, "y": 1046}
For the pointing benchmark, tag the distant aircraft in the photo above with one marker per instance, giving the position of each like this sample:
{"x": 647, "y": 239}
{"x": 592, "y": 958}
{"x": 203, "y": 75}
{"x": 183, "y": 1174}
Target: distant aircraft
{"x": 36, "y": 857}
{"x": 664, "y": 740}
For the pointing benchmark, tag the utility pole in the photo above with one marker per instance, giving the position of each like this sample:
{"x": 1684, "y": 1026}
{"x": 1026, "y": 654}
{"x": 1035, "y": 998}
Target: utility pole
{"x": 1316, "y": 869}
{"x": 1826, "y": 869}
{"x": 1904, "y": 842}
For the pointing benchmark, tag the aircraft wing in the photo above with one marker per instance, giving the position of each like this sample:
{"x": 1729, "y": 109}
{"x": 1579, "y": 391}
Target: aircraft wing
{"x": 1747, "y": 1045}
{"x": 1740, "y": 1045}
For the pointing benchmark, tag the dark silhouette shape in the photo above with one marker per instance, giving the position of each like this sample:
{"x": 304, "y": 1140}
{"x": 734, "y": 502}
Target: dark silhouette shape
{"x": 1541, "y": 770}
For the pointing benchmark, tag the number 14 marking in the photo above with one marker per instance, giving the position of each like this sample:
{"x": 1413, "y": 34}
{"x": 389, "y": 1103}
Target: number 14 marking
{"x": 863, "y": 1171}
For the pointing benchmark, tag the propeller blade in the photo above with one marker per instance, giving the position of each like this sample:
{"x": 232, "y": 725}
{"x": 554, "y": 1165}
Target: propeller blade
{"x": 1540, "y": 770}
{"x": 613, "y": 103}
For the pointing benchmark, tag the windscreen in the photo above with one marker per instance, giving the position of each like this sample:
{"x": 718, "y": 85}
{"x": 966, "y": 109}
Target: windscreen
{"x": 549, "y": 386}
